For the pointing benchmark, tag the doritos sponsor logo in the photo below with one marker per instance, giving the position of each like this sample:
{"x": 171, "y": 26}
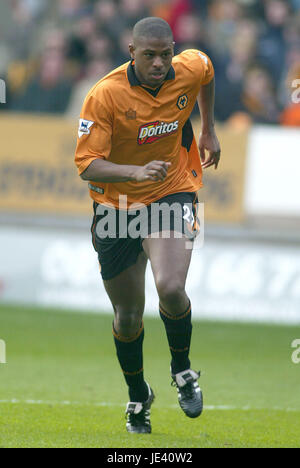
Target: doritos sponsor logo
{"x": 154, "y": 131}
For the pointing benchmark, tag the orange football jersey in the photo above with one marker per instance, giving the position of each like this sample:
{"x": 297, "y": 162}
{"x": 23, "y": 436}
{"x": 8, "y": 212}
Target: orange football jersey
{"x": 124, "y": 122}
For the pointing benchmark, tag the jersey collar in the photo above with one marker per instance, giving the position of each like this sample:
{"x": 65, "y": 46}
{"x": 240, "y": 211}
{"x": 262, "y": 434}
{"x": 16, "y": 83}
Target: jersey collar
{"x": 134, "y": 81}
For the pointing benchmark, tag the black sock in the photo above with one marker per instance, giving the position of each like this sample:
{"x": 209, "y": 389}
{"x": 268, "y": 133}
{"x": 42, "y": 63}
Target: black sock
{"x": 130, "y": 355}
{"x": 179, "y": 333}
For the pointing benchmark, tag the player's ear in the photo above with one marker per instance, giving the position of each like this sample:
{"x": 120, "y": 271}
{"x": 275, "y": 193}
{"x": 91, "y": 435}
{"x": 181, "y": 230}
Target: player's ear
{"x": 131, "y": 50}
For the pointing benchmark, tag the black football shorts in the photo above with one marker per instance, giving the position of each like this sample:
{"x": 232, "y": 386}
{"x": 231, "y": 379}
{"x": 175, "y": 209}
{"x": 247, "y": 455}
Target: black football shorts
{"x": 118, "y": 235}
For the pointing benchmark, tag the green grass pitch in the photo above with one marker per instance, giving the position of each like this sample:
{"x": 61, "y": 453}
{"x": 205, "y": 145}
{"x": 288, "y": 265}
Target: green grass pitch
{"x": 61, "y": 386}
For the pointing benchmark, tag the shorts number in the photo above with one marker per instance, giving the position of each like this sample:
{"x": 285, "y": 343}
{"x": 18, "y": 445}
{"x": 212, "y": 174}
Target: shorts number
{"x": 188, "y": 215}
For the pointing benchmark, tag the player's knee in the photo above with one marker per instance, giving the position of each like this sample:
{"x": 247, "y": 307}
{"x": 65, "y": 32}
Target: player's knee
{"x": 170, "y": 291}
{"x": 127, "y": 321}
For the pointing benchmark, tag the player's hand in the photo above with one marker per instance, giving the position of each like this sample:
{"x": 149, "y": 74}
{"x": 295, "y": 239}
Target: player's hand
{"x": 209, "y": 143}
{"x": 155, "y": 171}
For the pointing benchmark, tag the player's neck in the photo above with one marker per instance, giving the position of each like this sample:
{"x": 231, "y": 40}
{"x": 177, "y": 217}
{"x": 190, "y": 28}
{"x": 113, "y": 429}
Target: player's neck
{"x": 142, "y": 82}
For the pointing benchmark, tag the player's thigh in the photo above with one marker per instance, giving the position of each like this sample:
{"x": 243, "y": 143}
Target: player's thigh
{"x": 170, "y": 260}
{"x": 127, "y": 290}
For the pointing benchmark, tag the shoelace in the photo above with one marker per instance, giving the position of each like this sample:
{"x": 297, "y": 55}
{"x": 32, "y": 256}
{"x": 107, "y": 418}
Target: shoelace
{"x": 188, "y": 390}
{"x": 138, "y": 419}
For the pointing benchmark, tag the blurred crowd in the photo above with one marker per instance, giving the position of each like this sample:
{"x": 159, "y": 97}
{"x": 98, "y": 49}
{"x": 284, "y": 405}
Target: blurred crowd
{"x": 53, "y": 51}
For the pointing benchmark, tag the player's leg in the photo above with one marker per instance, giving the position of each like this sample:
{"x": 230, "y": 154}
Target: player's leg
{"x": 127, "y": 295}
{"x": 123, "y": 264}
{"x": 170, "y": 260}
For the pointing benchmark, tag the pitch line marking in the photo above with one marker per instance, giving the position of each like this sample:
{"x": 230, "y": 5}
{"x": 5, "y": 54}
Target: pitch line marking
{"x": 117, "y": 405}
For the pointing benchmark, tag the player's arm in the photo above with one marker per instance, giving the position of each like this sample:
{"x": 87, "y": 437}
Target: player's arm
{"x": 101, "y": 170}
{"x": 208, "y": 140}
{"x": 94, "y": 146}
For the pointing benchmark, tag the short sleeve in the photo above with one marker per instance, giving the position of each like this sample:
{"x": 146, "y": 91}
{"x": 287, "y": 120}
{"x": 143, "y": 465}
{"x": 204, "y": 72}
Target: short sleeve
{"x": 200, "y": 64}
{"x": 95, "y": 129}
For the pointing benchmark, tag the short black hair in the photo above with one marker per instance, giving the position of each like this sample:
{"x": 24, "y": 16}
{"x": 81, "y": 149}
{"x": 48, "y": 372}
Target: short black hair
{"x": 152, "y": 27}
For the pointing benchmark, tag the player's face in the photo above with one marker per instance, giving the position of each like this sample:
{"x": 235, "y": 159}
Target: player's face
{"x": 153, "y": 59}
